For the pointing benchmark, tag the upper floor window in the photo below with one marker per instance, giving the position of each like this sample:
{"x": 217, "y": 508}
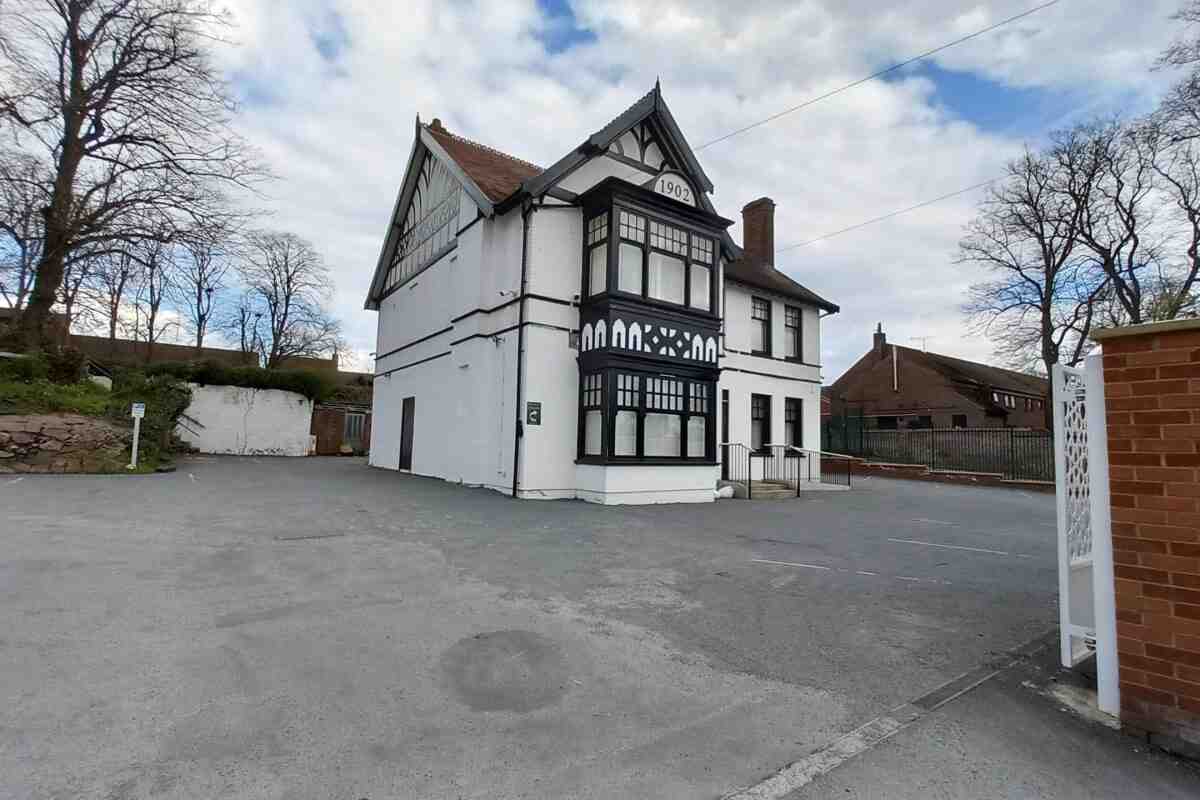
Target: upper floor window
{"x": 663, "y": 262}
{"x": 597, "y": 254}
{"x": 760, "y": 326}
{"x": 793, "y": 323}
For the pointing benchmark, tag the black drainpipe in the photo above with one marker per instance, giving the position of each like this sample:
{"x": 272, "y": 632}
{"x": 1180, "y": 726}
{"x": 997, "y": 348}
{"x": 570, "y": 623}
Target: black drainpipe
{"x": 519, "y": 432}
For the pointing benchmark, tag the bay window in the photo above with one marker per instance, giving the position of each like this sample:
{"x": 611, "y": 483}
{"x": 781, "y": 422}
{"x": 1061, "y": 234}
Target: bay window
{"x": 655, "y": 260}
{"x": 648, "y": 416}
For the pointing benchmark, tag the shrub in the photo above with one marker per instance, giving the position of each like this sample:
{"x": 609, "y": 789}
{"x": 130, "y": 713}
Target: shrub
{"x": 24, "y": 368}
{"x": 66, "y": 364}
{"x": 313, "y": 385}
{"x": 166, "y": 399}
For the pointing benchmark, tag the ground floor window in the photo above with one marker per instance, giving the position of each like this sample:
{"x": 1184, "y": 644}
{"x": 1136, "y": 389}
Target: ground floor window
{"x": 958, "y": 421}
{"x": 760, "y": 421}
{"x": 793, "y": 422}
{"x": 636, "y": 415}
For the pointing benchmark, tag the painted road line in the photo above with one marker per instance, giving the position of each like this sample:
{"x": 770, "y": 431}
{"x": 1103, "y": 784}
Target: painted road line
{"x": 907, "y": 578}
{"x": 797, "y": 775}
{"x": 952, "y": 547}
{"x": 14, "y": 480}
{"x": 935, "y": 522}
{"x": 791, "y": 564}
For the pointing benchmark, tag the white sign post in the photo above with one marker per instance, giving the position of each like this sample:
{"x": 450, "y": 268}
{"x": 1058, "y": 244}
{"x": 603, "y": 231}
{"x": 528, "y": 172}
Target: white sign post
{"x": 137, "y": 412}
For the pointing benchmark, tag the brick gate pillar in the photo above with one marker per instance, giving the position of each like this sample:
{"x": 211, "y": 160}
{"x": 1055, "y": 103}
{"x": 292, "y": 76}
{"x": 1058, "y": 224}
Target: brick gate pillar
{"x": 1152, "y": 393}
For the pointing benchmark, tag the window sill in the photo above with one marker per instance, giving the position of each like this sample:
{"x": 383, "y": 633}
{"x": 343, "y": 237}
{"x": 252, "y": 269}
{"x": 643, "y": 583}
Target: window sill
{"x": 630, "y": 461}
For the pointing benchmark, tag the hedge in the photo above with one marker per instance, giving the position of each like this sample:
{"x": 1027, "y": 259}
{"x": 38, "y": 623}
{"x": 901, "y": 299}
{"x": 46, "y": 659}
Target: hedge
{"x": 311, "y": 384}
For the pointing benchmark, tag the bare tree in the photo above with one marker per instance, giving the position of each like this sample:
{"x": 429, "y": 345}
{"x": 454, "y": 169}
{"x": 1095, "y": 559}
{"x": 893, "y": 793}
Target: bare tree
{"x": 156, "y": 285}
{"x": 201, "y": 280}
{"x": 291, "y": 284}
{"x": 1039, "y": 301}
{"x": 1120, "y": 204}
{"x": 22, "y": 198}
{"x": 113, "y": 282}
{"x": 242, "y": 324}
{"x": 122, "y": 100}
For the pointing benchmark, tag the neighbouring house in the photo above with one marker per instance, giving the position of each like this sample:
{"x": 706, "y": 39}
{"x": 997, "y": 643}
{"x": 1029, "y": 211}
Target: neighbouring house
{"x": 587, "y": 330}
{"x": 897, "y": 387}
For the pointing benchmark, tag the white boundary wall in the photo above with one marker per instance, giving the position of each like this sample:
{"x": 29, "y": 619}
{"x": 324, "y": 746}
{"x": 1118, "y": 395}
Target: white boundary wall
{"x": 244, "y": 422}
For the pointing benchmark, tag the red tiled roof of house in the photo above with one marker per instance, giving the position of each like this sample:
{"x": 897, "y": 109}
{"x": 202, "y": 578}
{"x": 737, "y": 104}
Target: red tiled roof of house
{"x": 497, "y": 174}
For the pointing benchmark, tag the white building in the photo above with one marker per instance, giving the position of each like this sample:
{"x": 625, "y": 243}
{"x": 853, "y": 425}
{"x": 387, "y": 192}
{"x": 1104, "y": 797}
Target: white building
{"x": 588, "y": 330}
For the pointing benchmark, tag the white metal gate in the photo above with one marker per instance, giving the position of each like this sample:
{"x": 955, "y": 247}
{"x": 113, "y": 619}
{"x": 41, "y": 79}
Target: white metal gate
{"x": 1087, "y": 606}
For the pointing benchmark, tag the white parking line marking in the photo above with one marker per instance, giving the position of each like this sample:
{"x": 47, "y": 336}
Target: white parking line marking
{"x": 791, "y": 564}
{"x": 15, "y": 480}
{"x": 937, "y": 581}
{"x": 951, "y": 547}
{"x": 935, "y": 522}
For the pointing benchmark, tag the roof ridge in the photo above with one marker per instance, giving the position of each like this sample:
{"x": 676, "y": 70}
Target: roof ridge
{"x": 485, "y": 147}
{"x": 1014, "y": 372}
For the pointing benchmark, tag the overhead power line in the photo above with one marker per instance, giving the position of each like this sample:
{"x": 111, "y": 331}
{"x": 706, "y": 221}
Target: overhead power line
{"x": 879, "y": 74}
{"x": 873, "y": 220}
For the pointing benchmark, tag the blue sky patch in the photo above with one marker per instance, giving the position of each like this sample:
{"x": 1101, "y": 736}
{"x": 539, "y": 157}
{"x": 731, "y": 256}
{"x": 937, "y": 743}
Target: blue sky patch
{"x": 562, "y": 31}
{"x": 329, "y": 35}
{"x": 993, "y": 106}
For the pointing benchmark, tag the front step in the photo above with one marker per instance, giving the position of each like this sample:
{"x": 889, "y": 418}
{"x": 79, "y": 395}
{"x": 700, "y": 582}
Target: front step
{"x": 772, "y": 490}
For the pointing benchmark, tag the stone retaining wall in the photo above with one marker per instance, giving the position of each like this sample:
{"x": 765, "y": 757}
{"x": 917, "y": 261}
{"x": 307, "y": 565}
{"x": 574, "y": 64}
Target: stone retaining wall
{"x": 60, "y": 443}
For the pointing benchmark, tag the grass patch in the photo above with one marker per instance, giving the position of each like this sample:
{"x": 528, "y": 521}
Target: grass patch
{"x": 40, "y": 396}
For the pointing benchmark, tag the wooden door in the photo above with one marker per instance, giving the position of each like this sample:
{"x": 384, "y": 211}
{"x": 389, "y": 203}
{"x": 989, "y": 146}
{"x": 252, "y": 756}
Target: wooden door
{"x": 406, "y": 432}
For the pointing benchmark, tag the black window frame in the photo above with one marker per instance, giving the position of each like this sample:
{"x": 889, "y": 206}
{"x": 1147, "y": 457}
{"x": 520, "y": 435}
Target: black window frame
{"x": 684, "y": 403}
{"x": 604, "y": 240}
{"x": 793, "y": 414}
{"x": 693, "y": 245}
{"x": 760, "y": 410}
{"x": 592, "y": 399}
{"x": 756, "y": 304}
{"x": 793, "y": 332}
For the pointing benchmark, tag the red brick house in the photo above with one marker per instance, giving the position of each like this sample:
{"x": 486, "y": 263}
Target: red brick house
{"x": 898, "y": 387}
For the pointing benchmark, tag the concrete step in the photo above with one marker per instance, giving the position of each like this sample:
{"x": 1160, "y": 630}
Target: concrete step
{"x": 772, "y": 490}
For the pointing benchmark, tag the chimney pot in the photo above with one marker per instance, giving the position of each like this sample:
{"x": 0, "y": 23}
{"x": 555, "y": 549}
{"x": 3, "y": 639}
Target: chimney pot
{"x": 758, "y": 231}
{"x": 436, "y": 125}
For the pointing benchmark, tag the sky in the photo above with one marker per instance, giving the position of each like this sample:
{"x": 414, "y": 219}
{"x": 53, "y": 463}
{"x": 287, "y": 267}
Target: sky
{"x": 330, "y": 89}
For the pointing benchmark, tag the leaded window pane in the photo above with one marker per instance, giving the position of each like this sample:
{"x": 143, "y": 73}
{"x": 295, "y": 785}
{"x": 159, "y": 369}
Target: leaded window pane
{"x": 597, "y": 229}
{"x": 633, "y": 227}
{"x": 702, "y": 249}
{"x": 669, "y": 238}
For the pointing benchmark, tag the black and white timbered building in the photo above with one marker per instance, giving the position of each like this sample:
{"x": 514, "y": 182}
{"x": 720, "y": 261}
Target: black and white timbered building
{"x": 584, "y": 330}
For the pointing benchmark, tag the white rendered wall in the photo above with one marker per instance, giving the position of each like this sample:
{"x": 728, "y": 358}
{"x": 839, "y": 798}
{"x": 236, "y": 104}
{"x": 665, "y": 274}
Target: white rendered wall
{"x": 238, "y": 421}
{"x": 641, "y": 485}
{"x": 743, "y": 375}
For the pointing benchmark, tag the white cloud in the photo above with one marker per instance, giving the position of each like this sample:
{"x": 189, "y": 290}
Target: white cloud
{"x": 339, "y": 133}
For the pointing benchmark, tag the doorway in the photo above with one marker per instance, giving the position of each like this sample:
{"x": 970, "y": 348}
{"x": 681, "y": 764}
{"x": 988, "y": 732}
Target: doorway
{"x": 408, "y": 409}
{"x": 724, "y": 434}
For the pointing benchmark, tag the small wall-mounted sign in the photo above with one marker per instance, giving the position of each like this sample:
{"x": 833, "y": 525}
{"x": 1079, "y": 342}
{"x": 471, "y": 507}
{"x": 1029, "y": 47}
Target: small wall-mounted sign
{"x": 138, "y": 411}
{"x": 533, "y": 413}
{"x": 674, "y": 186}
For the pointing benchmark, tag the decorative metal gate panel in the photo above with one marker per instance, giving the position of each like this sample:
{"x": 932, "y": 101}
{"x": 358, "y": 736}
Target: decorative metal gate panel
{"x": 1087, "y": 609}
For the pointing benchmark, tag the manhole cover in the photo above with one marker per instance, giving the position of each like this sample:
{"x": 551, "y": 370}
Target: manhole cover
{"x": 505, "y": 671}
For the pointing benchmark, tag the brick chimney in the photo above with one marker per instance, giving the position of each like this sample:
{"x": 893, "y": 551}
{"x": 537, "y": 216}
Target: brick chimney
{"x": 758, "y": 231}
{"x": 880, "y": 340}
